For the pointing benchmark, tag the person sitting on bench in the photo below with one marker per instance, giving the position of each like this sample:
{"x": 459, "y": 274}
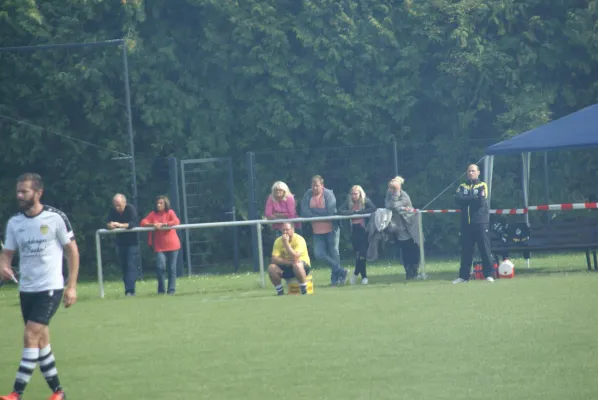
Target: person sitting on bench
{"x": 290, "y": 259}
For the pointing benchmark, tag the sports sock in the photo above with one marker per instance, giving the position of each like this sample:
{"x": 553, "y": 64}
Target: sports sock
{"x": 303, "y": 287}
{"x": 279, "y": 290}
{"x": 26, "y": 368}
{"x": 47, "y": 364}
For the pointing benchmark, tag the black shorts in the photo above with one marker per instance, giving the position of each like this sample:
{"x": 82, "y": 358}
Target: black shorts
{"x": 40, "y": 307}
{"x": 287, "y": 270}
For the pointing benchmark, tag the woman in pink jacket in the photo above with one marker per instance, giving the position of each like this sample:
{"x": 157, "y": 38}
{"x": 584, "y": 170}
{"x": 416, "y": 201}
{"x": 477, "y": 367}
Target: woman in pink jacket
{"x": 165, "y": 241}
{"x": 281, "y": 205}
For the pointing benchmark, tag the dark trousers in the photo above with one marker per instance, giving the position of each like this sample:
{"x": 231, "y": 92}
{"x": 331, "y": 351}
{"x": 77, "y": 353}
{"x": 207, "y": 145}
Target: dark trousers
{"x": 359, "y": 239}
{"x": 410, "y": 253}
{"x": 128, "y": 259}
{"x": 470, "y": 235}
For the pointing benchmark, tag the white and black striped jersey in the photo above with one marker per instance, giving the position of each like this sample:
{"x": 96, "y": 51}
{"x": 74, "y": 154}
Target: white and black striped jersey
{"x": 40, "y": 241}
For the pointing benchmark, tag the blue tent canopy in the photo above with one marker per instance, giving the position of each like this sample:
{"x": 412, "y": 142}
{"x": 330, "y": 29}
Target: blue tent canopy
{"x": 574, "y": 131}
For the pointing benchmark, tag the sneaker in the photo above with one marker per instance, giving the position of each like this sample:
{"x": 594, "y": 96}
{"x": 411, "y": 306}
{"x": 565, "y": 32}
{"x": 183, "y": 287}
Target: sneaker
{"x": 12, "y": 396}
{"x": 460, "y": 280}
{"x": 364, "y": 281}
{"x": 490, "y": 279}
{"x": 60, "y": 395}
{"x": 353, "y": 279}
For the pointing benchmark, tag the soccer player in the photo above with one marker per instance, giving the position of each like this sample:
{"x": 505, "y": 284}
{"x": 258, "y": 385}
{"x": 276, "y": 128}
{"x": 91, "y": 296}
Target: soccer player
{"x": 40, "y": 234}
{"x": 290, "y": 259}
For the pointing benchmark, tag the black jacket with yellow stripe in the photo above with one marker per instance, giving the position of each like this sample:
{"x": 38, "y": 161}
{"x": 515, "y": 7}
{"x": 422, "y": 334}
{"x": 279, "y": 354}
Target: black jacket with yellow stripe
{"x": 472, "y": 197}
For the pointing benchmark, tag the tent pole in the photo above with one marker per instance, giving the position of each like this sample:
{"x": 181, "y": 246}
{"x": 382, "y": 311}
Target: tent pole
{"x": 488, "y": 165}
{"x": 525, "y": 182}
{"x": 546, "y": 185}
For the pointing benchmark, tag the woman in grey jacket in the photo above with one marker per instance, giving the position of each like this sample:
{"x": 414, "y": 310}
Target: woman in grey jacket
{"x": 358, "y": 203}
{"x": 404, "y": 225}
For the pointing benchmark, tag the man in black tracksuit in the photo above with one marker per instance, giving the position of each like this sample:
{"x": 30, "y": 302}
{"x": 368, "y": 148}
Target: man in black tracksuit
{"x": 471, "y": 197}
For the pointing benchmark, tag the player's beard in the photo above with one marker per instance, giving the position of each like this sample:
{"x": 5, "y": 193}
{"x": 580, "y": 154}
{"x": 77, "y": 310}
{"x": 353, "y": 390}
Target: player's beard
{"x": 25, "y": 205}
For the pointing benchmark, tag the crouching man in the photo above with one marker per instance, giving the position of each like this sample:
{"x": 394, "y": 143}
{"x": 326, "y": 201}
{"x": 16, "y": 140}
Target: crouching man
{"x": 289, "y": 259}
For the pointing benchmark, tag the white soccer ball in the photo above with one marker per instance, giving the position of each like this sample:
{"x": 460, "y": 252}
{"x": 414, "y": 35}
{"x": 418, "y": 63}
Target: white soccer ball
{"x": 506, "y": 269}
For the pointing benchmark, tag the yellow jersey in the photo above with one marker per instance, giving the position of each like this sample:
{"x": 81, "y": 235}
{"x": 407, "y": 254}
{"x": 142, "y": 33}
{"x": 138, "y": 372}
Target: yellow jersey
{"x": 297, "y": 244}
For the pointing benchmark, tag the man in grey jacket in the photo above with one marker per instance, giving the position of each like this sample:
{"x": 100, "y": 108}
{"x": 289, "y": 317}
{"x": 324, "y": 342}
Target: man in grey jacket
{"x": 321, "y": 202}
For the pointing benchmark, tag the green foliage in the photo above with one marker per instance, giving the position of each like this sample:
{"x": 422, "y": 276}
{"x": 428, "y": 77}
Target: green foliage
{"x": 220, "y": 77}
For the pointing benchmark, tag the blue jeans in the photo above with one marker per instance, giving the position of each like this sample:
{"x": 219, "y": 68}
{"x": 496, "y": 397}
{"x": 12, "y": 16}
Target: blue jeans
{"x": 128, "y": 260}
{"x": 166, "y": 261}
{"x": 326, "y": 249}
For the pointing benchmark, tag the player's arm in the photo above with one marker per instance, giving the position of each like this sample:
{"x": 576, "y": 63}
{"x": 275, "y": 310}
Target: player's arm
{"x": 461, "y": 198}
{"x": 6, "y": 272}
{"x": 7, "y": 254}
{"x": 300, "y": 250}
{"x": 173, "y": 220}
{"x": 133, "y": 220}
{"x": 67, "y": 238}
{"x": 71, "y": 251}
{"x": 294, "y": 255}
{"x": 369, "y": 207}
{"x": 482, "y": 194}
{"x": 278, "y": 260}
{"x": 277, "y": 255}
{"x": 148, "y": 220}
{"x": 110, "y": 224}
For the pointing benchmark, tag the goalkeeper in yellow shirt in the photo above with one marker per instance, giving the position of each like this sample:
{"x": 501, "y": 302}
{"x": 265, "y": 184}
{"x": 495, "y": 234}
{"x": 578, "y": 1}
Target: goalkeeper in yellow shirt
{"x": 290, "y": 259}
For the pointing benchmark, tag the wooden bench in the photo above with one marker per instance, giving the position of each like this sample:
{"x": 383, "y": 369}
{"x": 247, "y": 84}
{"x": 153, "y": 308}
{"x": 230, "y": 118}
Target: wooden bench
{"x": 564, "y": 234}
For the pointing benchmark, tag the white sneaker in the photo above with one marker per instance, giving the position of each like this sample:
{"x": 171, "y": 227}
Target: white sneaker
{"x": 364, "y": 281}
{"x": 353, "y": 279}
{"x": 460, "y": 280}
{"x": 490, "y": 279}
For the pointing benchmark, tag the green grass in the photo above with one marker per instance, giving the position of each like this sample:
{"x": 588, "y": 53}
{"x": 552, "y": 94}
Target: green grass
{"x": 222, "y": 337}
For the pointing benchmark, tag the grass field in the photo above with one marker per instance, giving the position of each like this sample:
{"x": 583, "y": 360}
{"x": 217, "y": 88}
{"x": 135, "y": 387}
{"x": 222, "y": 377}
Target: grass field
{"x": 222, "y": 337}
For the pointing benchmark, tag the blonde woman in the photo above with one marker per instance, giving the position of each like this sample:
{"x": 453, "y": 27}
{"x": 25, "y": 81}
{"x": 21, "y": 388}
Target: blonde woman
{"x": 280, "y": 205}
{"x": 358, "y": 203}
{"x": 405, "y": 227}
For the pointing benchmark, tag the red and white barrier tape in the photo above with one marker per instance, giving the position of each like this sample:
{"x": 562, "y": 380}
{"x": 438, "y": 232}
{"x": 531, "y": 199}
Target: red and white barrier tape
{"x": 543, "y": 207}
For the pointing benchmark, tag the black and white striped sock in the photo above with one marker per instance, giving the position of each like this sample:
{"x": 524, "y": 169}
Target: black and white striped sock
{"x": 279, "y": 290}
{"x": 47, "y": 364}
{"x": 303, "y": 287}
{"x": 26, "y": 368}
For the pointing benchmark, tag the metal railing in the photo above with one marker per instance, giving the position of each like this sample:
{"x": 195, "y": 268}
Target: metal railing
{"x": 258, "y": 224}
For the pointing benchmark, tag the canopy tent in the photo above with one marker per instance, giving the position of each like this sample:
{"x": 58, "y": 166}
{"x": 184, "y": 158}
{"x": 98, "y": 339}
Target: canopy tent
{"x": 574, "y": 131}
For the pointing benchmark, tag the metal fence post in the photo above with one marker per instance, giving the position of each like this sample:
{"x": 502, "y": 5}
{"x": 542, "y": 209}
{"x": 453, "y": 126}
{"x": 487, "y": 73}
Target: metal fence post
{"x": 100, "y": 266}
{"x": 175, "y": 201}
{"x": 395, "y": 156}
{"x": 130, "y": 124}
{"x": 422, "y": 258}
{"x": 188, "y": 250}
{"x": 233, "y": 215}
{"x": 131, "y": 140}
{"x": 252, "y": 209}
{"x": 260, "y": 252}
{"x": 546, "y": 216}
